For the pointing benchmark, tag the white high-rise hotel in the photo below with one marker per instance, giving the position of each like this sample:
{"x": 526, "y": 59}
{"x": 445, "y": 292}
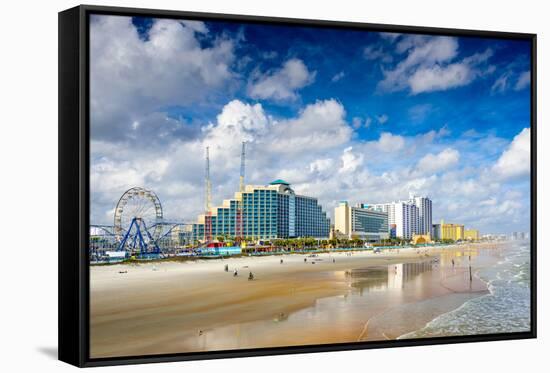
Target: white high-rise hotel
{"x": 424, "y": 206}
{"x": 410, "y": 217}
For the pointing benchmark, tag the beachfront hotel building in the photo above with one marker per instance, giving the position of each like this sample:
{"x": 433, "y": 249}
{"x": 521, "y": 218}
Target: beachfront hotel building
{"x": 364, "y": 223}
{"x": 409, "y": 217}
{"x": 424, "y": 206}
{"x": 268, "y": 212}
{"x": 449, "y": 231}
{"x": 401, "y": 217}
{"x": 406, "y": 220}
{"x": 471, "y": 234}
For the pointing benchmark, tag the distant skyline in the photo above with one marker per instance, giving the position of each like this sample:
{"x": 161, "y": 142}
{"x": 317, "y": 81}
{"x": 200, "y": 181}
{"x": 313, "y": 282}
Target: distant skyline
{"x": 361, "y": 116}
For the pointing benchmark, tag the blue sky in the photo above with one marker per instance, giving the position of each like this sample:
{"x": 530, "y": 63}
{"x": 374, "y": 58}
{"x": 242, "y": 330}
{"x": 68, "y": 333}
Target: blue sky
{"x": 330, "y": 52}
{"x": 341, "y": 114}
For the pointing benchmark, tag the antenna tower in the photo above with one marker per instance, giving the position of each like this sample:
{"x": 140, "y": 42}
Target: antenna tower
{"x": 208, "y": 202}
{"x": 240, "y": 217}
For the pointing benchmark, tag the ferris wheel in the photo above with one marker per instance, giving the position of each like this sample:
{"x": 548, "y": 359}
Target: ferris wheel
{"x": 138, "y": 204}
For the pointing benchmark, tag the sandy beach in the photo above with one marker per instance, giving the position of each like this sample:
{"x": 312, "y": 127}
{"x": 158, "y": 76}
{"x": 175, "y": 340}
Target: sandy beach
{"x": 172, "y": 307}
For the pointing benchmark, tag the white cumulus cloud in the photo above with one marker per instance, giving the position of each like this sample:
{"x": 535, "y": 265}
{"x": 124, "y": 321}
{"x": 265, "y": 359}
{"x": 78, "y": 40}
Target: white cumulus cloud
{"x": 131, "y": 77}
{"x": 439, "y": 78}
{"x": 389, "y": 142}
{"x": 430, "y": 65}
{"x": 432, "y": 163}
{"x": 238, "y": 122}
{"x": 321, "y": 125}
{"x": 350, "y": 161}
{"x": 283, "y": 83}
{"x": 515, "y": 161}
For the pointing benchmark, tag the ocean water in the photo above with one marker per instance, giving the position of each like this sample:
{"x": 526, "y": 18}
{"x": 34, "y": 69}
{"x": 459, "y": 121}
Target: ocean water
{"x": 506, "y": 308}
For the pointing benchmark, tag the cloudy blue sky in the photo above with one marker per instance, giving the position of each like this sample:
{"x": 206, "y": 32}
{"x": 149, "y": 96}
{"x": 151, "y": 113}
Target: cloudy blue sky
{"x": 361, "y": 116}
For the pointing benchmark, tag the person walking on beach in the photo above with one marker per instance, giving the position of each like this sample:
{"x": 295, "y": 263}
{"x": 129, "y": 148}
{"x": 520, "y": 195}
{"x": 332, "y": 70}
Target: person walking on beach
{"x": 453, "y": 262}
{"x": 226, "y": 268}
{"x": 235, "y": 273}
{"x": 250, "y": 276}
{"x": 305, "y": 260}
{"x": 281, "y": 261}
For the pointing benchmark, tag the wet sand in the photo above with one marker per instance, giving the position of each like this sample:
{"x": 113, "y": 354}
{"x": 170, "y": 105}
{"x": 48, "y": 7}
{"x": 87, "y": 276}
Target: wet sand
{"x": 158, "y": 308}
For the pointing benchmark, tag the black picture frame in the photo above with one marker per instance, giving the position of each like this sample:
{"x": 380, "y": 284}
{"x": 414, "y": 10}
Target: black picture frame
{"x": 73, "y": 75}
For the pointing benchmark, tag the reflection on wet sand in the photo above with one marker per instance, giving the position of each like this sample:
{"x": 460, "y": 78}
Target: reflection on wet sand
{"x": 394, "y": 276}
{"x": 363, "y": 313}
{"x": 340, "y": 299}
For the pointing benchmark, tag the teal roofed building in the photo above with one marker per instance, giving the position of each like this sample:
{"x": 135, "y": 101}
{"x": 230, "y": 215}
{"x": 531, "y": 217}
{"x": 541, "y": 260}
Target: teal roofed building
{"x": 268, "y": 212}
{"x": 279, "y": 182}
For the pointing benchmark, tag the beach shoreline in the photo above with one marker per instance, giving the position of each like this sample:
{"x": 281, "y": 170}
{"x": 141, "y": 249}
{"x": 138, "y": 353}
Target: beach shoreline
{"x": 171, "y": 307}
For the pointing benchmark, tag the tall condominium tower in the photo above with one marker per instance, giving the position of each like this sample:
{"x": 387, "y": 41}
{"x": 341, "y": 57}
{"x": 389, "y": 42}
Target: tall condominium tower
{"x": 410, "y": 217}
{"x": 406, "y": 219}
{"x": 424, "y": 205}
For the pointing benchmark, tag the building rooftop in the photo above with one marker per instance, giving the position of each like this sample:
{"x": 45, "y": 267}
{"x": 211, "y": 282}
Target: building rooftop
{"x": 279, "y": 181}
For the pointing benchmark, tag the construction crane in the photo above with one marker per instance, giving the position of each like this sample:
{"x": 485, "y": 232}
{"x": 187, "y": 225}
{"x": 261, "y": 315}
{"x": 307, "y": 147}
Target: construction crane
{"x": 240, "y": 217}
{"x": 208, "y": 200}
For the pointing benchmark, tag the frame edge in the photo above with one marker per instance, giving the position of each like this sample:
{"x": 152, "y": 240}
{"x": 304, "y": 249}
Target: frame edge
{"x": 70, "y": 318}
{"x": 73, "y": 137}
